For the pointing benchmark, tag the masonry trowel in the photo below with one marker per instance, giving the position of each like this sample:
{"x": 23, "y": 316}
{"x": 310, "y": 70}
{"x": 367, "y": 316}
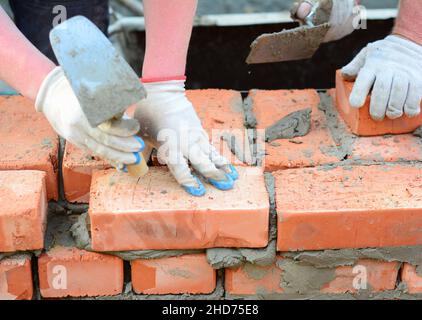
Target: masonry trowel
{"x": 101, "y": 79}
{"x": 293, "y": 44}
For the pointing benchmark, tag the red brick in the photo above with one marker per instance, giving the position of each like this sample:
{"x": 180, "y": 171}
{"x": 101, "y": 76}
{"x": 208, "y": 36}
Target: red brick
{"x": 71, "y": 272}
{"x": 411, "y": 278}
{"x": 405, "y": 147}
{"x": 23, "y": 210}
{"x": 351, "y": 207}
{"x": 221, "y": 111}
{"x": 16, "y": 278}
{"x": 176, "y": 275}
{"x": 379, "y": 276}
{"x": 387, "y": 148}
{"x": 251, "y": 280}
{"x": 156, "y": 213}
{"x": 77, "y": 171}
{"x": 307, "y": 151}
{"x": 27, "y": 142}
{"x": 255, "y": 280}
{"x": 359, "y": 120}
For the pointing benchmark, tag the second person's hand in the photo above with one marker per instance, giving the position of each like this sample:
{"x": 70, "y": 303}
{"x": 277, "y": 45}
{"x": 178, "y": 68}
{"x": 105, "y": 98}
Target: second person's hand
{"x": 392, "y": 69}
{"x": 341, "y": 14}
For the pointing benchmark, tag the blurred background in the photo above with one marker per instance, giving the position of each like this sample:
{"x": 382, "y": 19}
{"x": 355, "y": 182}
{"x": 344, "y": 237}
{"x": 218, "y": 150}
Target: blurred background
{"x": 223, "y": 32}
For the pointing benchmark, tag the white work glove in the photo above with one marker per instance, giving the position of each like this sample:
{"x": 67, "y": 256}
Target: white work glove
{"x": 113, "y": 141}
{"x": 170, "y": 124}
{"x": 392, "y": 68}
{"x": 342, "y": 15}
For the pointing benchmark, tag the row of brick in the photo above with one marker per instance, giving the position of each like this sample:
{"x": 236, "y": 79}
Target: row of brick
{"x": 364, "y": 276}
{"x": 221, "y": 110}
{"x": 154, "y": 214}
{"x": 70, "y": 272}
{"x": 33, "y": 145}
{"x": 331, "y": 208}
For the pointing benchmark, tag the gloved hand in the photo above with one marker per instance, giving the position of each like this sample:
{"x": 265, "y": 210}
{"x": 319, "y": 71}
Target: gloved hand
{"x": 393, "y": 67}
{"x": 170, "y": 124}
{"x": 341, "y": 14}
{"x": 113, "y": 141}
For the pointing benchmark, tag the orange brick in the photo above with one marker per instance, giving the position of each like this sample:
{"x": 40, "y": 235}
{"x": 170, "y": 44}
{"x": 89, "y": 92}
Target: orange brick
{"x": 77, "y": 171}
{"x": 16, "y": 278}
{"x": 250, "y": 280}
{"x": 405, "y": 147}
{"x": 221, "y": 111}
{"x": 156, "y": 213}
{"x": 176, "y": 275}
{"x": 375, "y": 276}
{"x": 310, "y": 150}
{"x": 351, "y": 207}
{"x": 387, "y": 148}
{"x": 23, "y": 210}
{"x": 27, "y": 142}
{"x": 411, "y": 278}
{"x": 71, "y": 272}
{"x": 359, "y": 120}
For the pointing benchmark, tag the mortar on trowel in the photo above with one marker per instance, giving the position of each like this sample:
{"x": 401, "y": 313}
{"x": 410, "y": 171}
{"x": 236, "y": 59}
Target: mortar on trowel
{"x": 101, "y": 79}
{"x": 294, "y": 44}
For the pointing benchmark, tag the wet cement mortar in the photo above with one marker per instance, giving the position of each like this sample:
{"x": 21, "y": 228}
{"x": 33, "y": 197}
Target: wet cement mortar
{"x": 303, "y": 273}
{"x": 295, "y": 124}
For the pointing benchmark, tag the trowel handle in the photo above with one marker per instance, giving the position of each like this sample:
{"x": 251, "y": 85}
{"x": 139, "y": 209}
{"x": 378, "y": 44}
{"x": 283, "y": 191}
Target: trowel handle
{"x": 140, "y": 169}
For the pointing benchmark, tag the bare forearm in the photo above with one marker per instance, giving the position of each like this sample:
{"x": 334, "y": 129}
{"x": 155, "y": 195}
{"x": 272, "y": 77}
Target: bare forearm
{"x": 168, "y": 31}
{"x": 22, "y": 65}
{"x": 409, "y": 20}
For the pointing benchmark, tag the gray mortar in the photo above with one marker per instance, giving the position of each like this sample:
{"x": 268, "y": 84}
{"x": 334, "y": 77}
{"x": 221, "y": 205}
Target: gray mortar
{"x": 303, "y": 279}
{"x": 58, "y": 231}
{"x": 397, "y": 294}
{"x": 349, "y": 257}
{"x": 220, "y": 258}
{"x": 236, "y": 148}
{"x": 250, "y": 119}
{"x": 250, "y": 123}
{"x": 343, "y": 139}
{"x": 419, "y": 270}
{"x": 418, "y": 132}
{"x": 270, "y": 185}
{"x": 151, "y": 254}
{"x": 295, "y": 124}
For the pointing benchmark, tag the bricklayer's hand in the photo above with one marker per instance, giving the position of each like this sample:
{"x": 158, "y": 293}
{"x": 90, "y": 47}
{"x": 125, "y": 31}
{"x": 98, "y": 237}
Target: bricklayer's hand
{"x": 114, "y": 141}
{"x": 170, "y": 124}
{"x": 341, "y": 14}
{"x": 392, "y": 68}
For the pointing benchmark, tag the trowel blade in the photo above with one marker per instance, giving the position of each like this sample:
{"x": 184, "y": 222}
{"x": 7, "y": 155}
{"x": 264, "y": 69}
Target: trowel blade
{"x": 102, "y": 80}
{"x": 288, "y": 45}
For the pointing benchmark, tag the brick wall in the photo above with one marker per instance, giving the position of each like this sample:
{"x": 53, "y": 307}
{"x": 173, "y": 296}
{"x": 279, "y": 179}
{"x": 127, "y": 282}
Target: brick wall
{"x": 348, "y": 210}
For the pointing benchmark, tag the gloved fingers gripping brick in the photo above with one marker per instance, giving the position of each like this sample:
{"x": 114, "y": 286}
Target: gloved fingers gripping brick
{"x": 392, "y": 69}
